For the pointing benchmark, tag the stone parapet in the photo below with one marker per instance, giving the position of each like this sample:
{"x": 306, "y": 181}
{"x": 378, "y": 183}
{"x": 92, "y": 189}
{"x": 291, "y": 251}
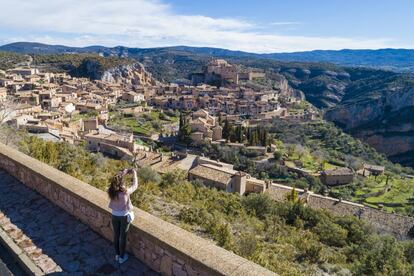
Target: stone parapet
{"x": 162, "y": 246}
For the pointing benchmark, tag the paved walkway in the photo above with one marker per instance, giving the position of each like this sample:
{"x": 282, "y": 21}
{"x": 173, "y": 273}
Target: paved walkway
{"x": 4, "y": 270}
{"x": 8, "y": 266}
{"x": 56, "y": 241}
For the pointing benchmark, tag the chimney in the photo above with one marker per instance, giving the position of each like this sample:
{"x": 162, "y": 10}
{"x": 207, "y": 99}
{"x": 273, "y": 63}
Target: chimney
{"x": 239, "y": 183}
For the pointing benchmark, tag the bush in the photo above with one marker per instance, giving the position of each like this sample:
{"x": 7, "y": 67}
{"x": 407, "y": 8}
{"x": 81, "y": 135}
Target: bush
{"x": 173, "y": 178}
{"x": 331, "y": 233}
{"x": 147, "y": 175}
{"x": 194, "y": 215}
{"x": 183, "y": 192}
{"x": 247, "y": 245}
{"x": 277, "y": 155}
{"x": 258, "y": 204}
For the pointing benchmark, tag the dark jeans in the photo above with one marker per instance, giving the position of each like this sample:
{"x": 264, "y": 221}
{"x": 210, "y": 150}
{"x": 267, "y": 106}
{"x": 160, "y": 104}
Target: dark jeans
{"x": 121, "y": 226}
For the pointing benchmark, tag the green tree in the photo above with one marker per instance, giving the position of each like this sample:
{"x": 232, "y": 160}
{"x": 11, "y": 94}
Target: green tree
{"x": 184, "y": 130}
{"x": 227, "y": 129}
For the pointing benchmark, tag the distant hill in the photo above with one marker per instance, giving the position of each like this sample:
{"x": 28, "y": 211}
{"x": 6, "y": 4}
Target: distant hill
{"x": 392, "y": 59}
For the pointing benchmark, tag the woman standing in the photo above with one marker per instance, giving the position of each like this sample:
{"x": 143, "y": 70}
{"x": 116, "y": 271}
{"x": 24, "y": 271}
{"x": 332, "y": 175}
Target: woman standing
{"x": 122, "y": 210}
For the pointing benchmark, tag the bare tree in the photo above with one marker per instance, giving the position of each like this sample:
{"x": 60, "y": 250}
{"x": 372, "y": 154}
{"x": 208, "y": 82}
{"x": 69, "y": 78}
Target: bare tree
{"x": 7, "y": 111}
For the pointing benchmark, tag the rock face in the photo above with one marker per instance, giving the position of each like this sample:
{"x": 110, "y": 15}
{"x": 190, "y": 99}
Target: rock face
{"x": 385, "y": 122}
{"x": 133, "y": 74}
{"x": 281, "y": 84}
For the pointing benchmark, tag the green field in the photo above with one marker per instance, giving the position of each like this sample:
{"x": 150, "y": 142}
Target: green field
{"x": 396, "y": 197}
{"x": 144, "y": 124}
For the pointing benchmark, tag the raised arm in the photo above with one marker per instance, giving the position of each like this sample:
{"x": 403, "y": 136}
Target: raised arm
{"x": 134, "y": 183}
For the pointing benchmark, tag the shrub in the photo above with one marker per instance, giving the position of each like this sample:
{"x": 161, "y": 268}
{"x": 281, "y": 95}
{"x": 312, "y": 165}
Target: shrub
{"x": 147, "y": 175}
{"x": 194, "y": 215}
{"x": 258, "y": 204}
{"x": 331, "y": 233}
{"x": 183, "y": 192}
{"x": 173, "y": 178}
{"x": 247, "y": 245}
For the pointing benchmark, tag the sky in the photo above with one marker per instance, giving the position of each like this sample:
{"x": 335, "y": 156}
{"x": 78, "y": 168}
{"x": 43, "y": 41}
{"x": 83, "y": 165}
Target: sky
{"x": 261, "y": 26}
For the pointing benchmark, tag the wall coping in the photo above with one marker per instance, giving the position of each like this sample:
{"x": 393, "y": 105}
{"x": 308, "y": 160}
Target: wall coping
{"x": 201, "y": 252}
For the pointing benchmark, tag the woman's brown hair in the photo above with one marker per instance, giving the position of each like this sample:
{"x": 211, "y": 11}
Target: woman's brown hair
{"x": 117, "y": 185}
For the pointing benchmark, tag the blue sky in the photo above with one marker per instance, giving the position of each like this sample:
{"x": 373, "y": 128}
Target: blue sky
{"x": 256, "y": 25}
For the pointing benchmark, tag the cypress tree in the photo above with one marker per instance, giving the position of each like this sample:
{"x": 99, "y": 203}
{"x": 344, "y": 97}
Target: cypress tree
{"x": 226, "y": 129}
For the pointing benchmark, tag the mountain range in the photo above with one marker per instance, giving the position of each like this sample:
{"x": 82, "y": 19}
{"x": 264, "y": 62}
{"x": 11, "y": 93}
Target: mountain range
{"x": 391, "y": 59}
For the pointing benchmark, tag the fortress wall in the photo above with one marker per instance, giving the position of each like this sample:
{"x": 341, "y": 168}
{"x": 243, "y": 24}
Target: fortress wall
{"x": 162, "y": 246}
{"x": 398, "y": 225}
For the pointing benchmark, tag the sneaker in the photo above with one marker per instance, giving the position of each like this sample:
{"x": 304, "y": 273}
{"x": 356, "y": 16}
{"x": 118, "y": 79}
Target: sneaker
{"x": 124, "y": 259}
{"x": 117, "y": 258}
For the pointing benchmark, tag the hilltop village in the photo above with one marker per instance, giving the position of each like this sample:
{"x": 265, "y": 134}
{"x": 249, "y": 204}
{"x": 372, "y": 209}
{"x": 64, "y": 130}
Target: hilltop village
{"x": 121, "y": 116}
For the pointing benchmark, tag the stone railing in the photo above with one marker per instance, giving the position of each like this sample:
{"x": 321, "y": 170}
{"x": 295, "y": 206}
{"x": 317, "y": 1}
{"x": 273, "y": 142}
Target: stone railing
{"x": 400, "y": 226}
{"x": 162, "y": 246}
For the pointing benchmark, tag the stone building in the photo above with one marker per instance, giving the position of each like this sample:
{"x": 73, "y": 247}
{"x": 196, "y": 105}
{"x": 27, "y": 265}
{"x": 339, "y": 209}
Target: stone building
{"x": 222, "y": 69}
{"x": 339, "y": 176}
{"x": 133, "y": 97}
{"x": 204, "y": 126}
{"x": 217, "y": 133}
{"x": 373, "y": 169}
{"x": 114, "y": 145}
{"x": 219, "y": 177}
{"x": 89, "y": 125}
{"x": 222, "y": 176}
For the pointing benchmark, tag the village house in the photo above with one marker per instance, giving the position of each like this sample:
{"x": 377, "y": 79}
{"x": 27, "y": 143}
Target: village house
{"x": 89, "y": 125}
{"x": 204, "y": 126}
{"x": 88, "y": 107}
{"x": 133, "y": 97}
{"x": 373, "y": 169}
{"x": 23, "y": 71}
{"x": 222, "y": 176}
{"x": 28, "y": 97}
{"x": 338, "y": 176}
{"x": 115, "y": 145}
{"x": 68, "y": 107}
{"x": 27, "y": 109}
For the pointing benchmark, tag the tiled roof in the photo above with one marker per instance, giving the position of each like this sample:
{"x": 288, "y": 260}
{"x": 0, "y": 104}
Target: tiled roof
{"x": 210, "y": 173}
{"x": 374, "y": 167}
{"x": 339, "y": 171}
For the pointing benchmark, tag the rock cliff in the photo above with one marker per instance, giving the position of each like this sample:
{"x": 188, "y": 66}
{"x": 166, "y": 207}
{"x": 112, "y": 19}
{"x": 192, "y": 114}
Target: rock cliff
{"x": 384, "y": 120}
{"x": 133, "y": 74}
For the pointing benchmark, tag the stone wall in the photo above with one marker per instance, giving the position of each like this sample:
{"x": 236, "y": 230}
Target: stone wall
{"x": 400, "y": 226}
{"x": 162, "y": 246}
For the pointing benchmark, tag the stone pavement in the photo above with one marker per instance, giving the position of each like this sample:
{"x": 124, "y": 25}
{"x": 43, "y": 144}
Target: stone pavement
{"x": 57, "y": 242}
{"x": 8, "y": 266}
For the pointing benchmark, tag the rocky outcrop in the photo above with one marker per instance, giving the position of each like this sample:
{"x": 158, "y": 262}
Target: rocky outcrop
{"x": 385, "y": 122}
{"x": 134, "y": 74}
{"x": 281, "y": 84}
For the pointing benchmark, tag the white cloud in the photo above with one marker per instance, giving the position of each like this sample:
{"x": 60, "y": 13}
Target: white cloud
{"x": 285, "y": 23}
{"x": 150, "y": 23}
